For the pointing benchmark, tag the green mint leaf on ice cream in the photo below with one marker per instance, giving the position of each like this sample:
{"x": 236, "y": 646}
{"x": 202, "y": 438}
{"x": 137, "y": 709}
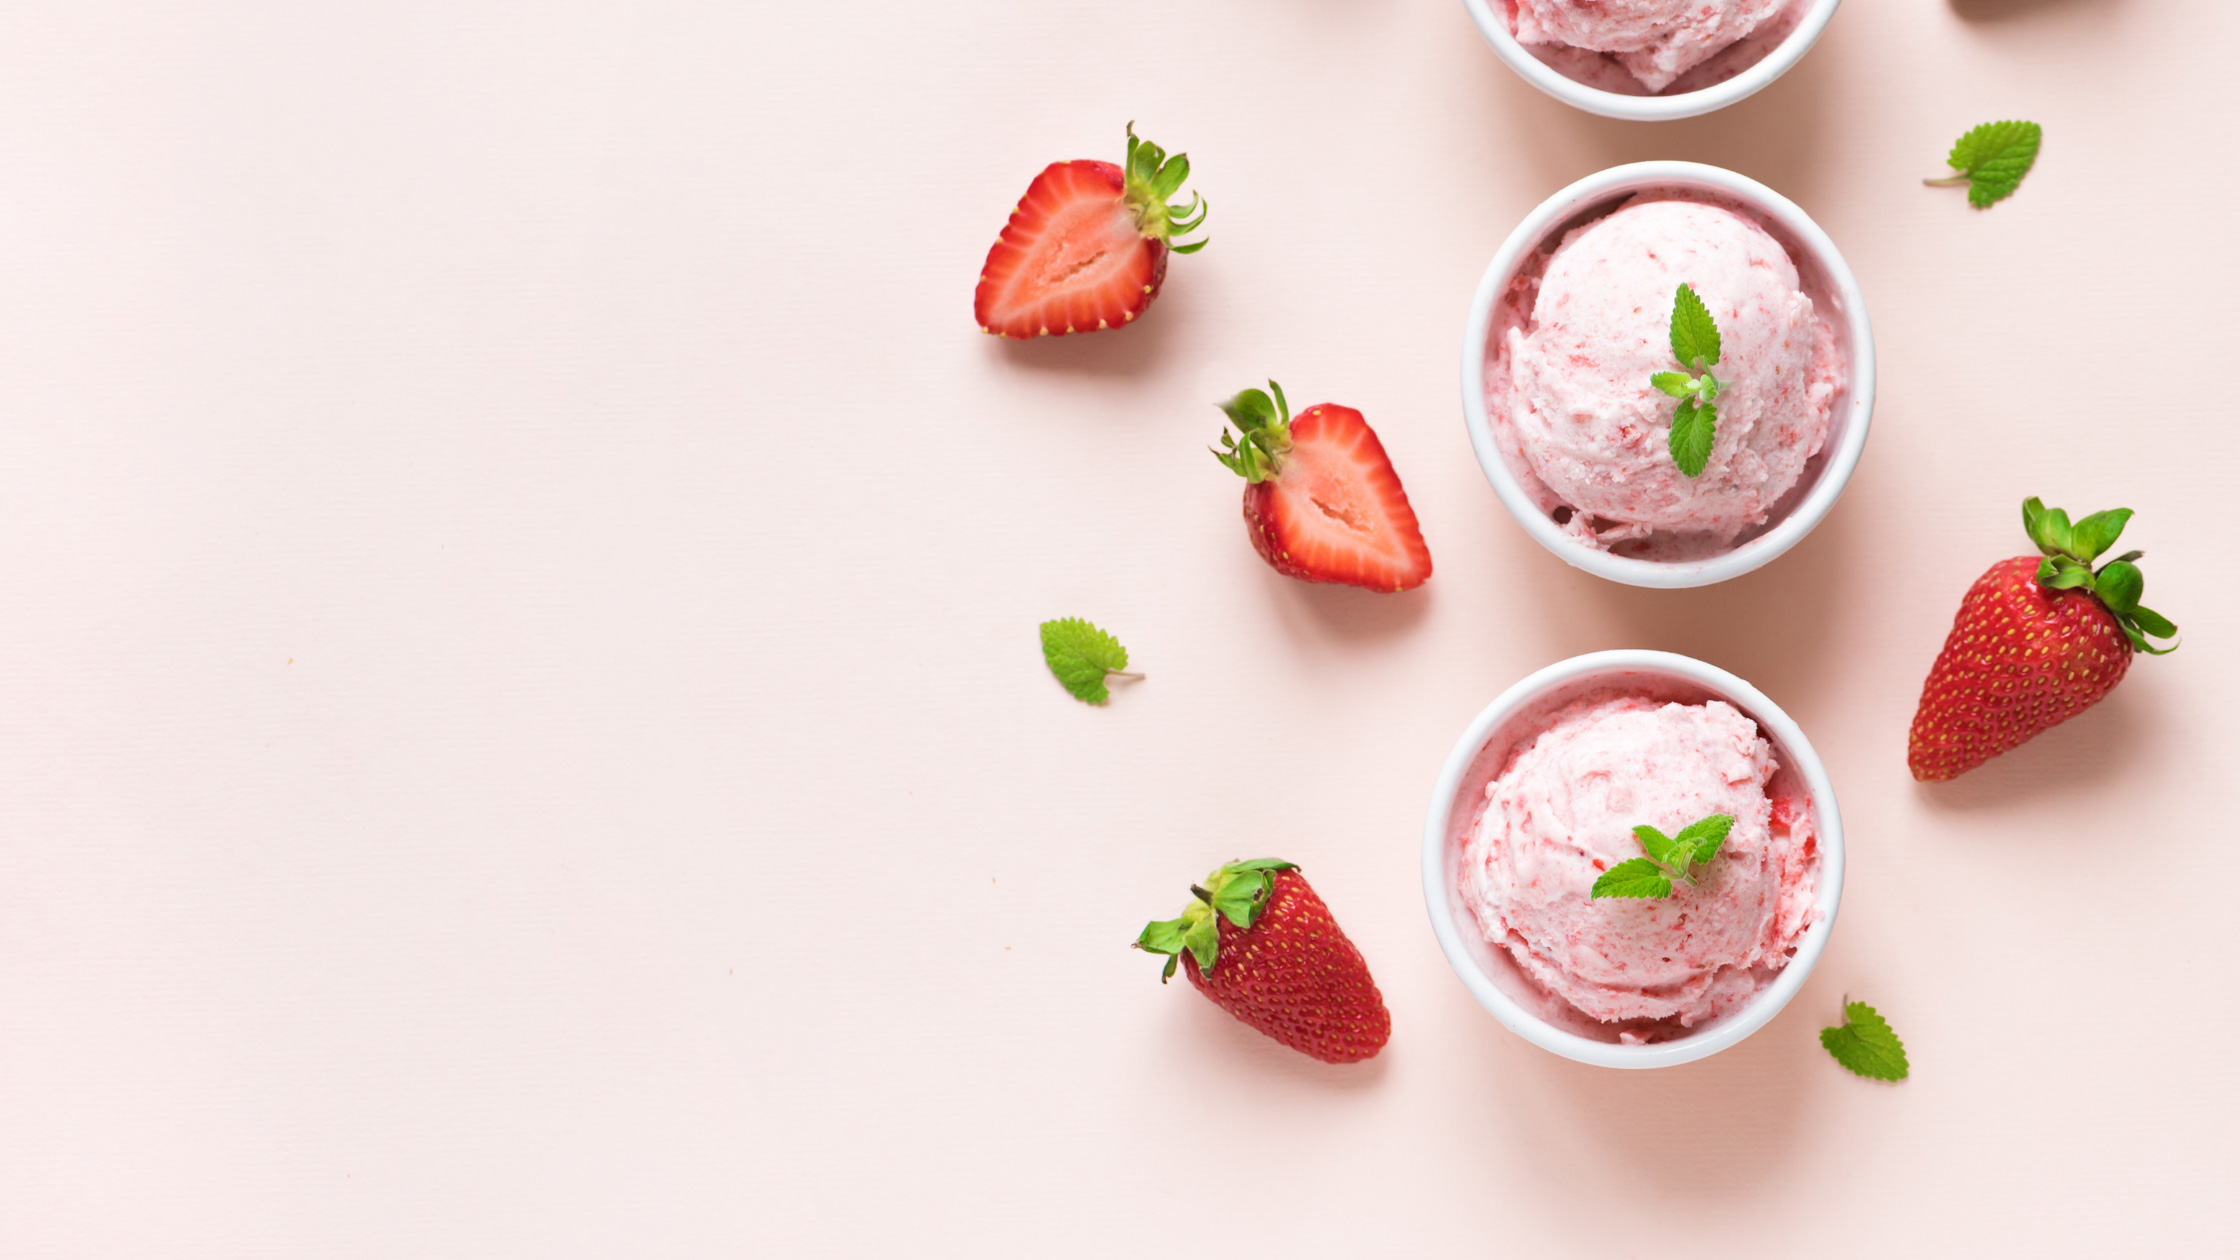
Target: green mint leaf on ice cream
{"x": 1992, "y": 159}
{"x": 1695, "y": 342}
{"x": 1864, "y": 1044}
{"x": 1669, "y": 861}
{"x": 1694, "y": 425}
{"x": 1082, "y": 657}
{"x": 1695, "y": 338}
{"x": 1635, "y": 877}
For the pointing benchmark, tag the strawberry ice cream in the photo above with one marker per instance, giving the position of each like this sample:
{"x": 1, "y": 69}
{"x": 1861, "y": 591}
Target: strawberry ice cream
{"x": 1563, "y": 811}
{"x": 1568, "y": 381}
{"x": 1656, "y": 41}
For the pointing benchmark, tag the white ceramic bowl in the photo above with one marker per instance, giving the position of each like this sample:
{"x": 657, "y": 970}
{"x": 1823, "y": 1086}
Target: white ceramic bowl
{"x": 1827, "y": 279}
{"x": 1488, "y": 14}
{"x": 1479, "y": 756}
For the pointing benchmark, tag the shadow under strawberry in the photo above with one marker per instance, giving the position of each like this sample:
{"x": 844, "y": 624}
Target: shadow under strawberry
{"x": 1148, "y": 342}
{"x": 2115, "y": 740}
{"x": 1336, "y": 614}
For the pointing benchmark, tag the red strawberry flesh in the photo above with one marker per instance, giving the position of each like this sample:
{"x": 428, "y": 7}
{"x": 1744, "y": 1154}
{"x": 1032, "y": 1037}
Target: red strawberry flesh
{"x": 1336, "y": 512}
{"x": 1087, "y": 246}
{"x": 1072, "y": 258}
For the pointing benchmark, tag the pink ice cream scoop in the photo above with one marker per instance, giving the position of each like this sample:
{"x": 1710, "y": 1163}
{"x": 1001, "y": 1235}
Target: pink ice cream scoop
{"x": 1577, "y": 397}
{"x": 1563, "y": 811}
{"x": 1657, "y": 41}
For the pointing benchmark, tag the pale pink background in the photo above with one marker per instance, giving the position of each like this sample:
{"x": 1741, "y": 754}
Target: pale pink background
{"x": 521, "y": 732}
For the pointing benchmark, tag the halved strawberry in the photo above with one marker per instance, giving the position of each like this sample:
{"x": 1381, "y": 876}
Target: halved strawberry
{"x": 1087, "y": 247}
{"x": 1321, "y": 499}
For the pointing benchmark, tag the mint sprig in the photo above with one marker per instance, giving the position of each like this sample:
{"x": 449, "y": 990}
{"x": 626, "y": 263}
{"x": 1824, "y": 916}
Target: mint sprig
{"x": 1992, "y": 159}
{"x": 2070, "y": 550}
{"x": 1695, "y": 343}
{"x": 1082, "y": 657}
{"x": 1865, "y": 1044}
{"x": 1670, "y": 858}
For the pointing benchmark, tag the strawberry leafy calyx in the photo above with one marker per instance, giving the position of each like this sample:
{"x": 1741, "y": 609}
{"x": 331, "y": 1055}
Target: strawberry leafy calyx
{"x": 1237, "y": 892}
{"x": 1264, "y": 434}
{"x": 1150, "y": 178}
{"x": 2069, "y": 550}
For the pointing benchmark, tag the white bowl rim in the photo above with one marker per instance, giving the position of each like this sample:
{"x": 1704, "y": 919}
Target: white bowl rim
{"x": 1841, "y": 460}
{"x": 1594, "y": 100}
{"x": 1753, "y": 1015}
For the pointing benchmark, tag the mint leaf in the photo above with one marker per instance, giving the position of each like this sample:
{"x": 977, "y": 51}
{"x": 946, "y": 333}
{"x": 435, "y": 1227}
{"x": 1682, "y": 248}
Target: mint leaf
{"x": 1864, "y": 1044}
{"x": 1677, "y": 384}
{"x": 1993, "y": 158}
{"x": 1704, "y": 836}
{"x": 1634, "y": 877}
{"x": 1695, "y": 425}
{"x": 1082, "y": 656}
{"x": 1695, "y": 337}
{"x": 1655, "y": 843}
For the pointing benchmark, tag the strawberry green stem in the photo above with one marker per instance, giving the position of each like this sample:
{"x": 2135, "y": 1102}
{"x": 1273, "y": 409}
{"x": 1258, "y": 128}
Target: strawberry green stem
{"x": 1150, "y": 178}
{"x": 2069, "y": 550}
{"x": 1237, "y": 892}
{"x": 1264, "y": 429}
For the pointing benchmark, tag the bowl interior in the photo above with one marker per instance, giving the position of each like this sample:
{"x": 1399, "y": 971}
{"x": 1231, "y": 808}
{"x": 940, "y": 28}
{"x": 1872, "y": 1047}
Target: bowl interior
{"x": 1823, "y": 278}
{"x": 1602, "y": 72}
{"x": 1601, "y": 1042}
{"x": 1597, "y": 83}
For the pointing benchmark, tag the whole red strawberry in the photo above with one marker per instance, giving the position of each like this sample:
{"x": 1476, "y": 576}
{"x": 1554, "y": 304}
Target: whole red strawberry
{"x": 1087, "y": 246}
{"x": 1265, "y": 949}
{"x": 2038, "y": 640}
{"x": 1321, "y": 500}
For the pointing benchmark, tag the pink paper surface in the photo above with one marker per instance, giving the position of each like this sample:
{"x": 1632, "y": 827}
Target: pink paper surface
{"x": 523, "y": 733}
